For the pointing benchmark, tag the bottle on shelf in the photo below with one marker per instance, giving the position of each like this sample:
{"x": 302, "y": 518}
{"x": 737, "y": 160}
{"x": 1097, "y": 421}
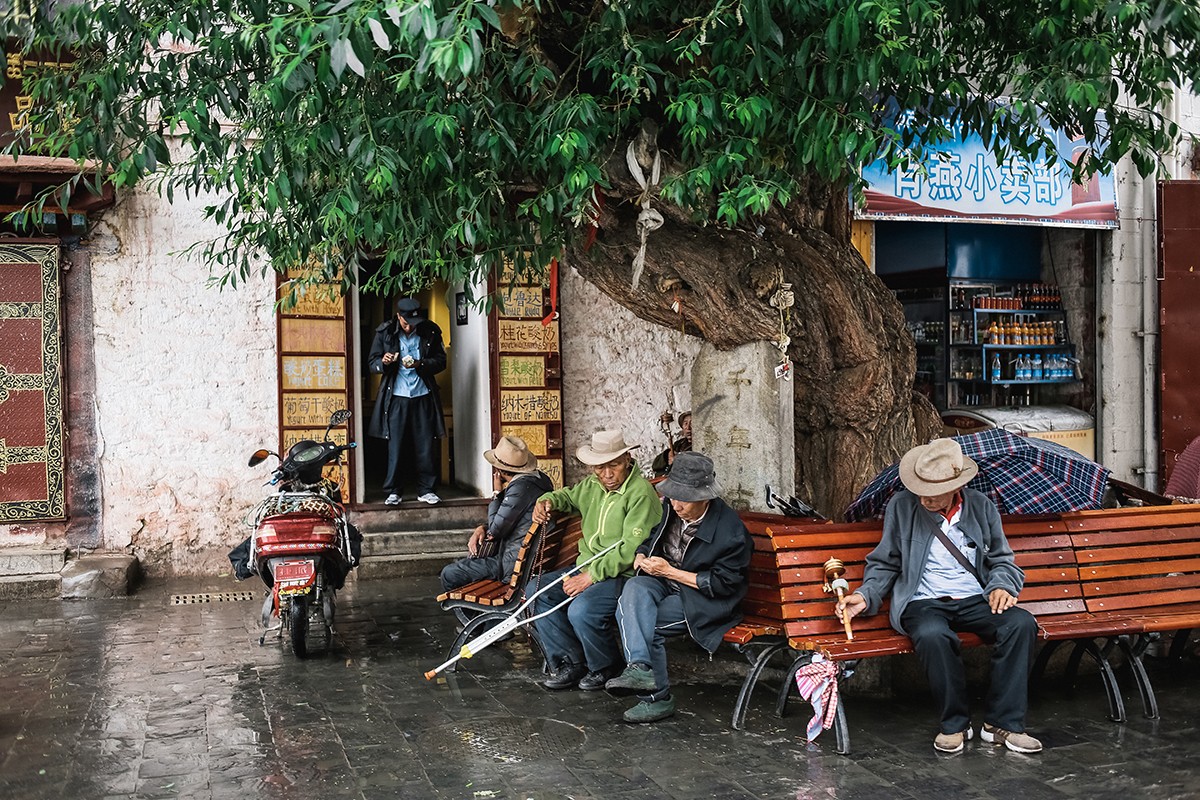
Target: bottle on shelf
{"x": 1036, "y": 372}
{"x": 996, "y": 368}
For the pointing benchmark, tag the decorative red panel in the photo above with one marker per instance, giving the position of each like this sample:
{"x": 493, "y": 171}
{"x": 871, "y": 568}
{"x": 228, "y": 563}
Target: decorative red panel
{"x": 1179, "y": 310}
{"x": 31, "y": 405}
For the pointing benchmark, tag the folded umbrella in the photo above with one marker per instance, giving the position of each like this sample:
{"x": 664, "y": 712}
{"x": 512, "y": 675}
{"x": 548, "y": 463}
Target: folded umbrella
{"x": 1021, "y": 474}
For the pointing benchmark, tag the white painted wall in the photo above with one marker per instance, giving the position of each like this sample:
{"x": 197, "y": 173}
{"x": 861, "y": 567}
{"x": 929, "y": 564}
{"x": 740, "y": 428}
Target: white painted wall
{"x": 472, "y": 398}
{"x": 618, "y": 372}
{"x": 185, "y": 388}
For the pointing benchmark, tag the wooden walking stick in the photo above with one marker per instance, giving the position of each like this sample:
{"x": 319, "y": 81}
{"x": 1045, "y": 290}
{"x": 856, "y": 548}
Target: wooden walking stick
{"x": 836, "y": 584}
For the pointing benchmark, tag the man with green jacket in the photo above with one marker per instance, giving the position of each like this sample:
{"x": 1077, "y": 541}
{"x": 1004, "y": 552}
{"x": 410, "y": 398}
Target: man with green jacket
{"x": 616, "y": 505}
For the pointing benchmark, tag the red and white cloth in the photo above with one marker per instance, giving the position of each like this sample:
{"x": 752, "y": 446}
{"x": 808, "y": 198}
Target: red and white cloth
{"x": 817, "y": 682}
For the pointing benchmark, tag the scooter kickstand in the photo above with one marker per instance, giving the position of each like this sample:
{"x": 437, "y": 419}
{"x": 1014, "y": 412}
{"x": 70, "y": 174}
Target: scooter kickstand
{"x": 262, "y": 640}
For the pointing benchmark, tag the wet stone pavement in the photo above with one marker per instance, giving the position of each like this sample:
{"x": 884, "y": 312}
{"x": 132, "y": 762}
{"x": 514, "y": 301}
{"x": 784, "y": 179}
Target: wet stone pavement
{"x": 144, "y": 699}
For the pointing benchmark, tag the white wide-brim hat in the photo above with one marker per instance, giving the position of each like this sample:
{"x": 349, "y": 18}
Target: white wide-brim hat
{"x": 936, "y": 468}
{"x": 605, "y": 446}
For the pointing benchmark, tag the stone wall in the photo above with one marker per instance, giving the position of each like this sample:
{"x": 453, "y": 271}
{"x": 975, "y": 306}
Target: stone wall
{"x": 185, "y": 387}
{"x": 618, "y": 372}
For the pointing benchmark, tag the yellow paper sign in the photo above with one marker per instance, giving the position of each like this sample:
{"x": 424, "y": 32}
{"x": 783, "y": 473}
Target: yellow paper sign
{"x": 553, "y": 467}
{"x": 534, "y": 436}
{"x": 522, "y": 371}
{"x": 518, "y": 336}
{"x": 522, "y": 301}
{"x": 536, "y": 405}
{"x": 313, "y": 372}
{"x": 308, "y": 410}
{"x": 312, "y": 335}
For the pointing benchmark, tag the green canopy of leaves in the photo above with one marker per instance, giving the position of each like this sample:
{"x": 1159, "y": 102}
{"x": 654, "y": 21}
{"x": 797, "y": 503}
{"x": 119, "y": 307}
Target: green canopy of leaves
{"x": 443, "y": 137}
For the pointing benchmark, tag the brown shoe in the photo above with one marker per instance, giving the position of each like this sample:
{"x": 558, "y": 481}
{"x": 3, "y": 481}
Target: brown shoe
{"x": 1017, "y": 742}
{"x": 952, "y": 742}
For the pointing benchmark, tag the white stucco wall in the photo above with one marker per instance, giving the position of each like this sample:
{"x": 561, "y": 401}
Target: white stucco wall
{"x": 185, "y": 387}
{"x": 619, "y": 371}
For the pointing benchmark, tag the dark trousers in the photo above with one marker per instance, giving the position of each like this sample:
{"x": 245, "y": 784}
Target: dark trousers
{"x": 933, "y": 624}
{"x": 412, "y": 425}
{"x": 584, "y": 632}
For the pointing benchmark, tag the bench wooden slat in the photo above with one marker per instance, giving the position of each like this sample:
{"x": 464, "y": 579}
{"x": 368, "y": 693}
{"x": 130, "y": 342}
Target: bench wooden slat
{"x": 1087, "y": 556}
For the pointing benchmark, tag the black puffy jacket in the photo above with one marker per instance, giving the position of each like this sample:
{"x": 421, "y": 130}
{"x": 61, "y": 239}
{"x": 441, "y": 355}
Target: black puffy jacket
{"x": 510, "y": 514}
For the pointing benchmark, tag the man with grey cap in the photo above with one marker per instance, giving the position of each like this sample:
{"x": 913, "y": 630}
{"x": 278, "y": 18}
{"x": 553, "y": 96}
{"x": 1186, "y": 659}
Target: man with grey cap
{"x": 693, "y": 578}
{"x": 494, "y": 547}
{"x": 617, "y": 506}
{"x": 408, "y": 352}
{"x": 945, "y": 562}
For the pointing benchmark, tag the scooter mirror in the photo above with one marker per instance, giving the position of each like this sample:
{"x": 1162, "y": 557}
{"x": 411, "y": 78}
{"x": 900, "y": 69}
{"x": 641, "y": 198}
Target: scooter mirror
{"x": 259, "y": 457}
{"x": 339, "y": 416}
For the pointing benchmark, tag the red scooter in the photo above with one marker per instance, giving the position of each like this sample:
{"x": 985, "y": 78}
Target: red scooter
{"x": 302, "y": 547}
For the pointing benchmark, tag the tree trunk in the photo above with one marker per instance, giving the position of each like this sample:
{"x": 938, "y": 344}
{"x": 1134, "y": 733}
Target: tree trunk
{"x": 855, "y": 411}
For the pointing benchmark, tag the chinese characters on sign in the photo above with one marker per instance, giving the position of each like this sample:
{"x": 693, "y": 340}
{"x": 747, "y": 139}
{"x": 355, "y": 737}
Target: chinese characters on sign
{"x": 314, "y": 372}
{"x": 553, "y": 467}
{"x": 534, "y": 436}
{"x": 309, "y": 410}
{"x": 522, "y": 371}
{"x": 539, "y": 405}
{"x": 527, "y": 337}
{"x": 963, "y": 180}
{"x": 522, "y": 301}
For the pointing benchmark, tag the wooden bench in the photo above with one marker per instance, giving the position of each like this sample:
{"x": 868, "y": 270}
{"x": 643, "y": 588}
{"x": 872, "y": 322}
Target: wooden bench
{"x": 1041, "y": 545}
{"x": 483, "y": 603}
{"x": 1140, "y": 574}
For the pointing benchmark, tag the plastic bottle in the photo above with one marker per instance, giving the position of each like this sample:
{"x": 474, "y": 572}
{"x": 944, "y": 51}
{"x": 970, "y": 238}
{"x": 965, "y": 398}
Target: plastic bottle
{"x": 1037, "y": 367}
{"x": 996, "y": 368}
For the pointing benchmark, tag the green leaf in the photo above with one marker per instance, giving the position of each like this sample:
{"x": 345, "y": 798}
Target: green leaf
{"x": 379, "y": 35}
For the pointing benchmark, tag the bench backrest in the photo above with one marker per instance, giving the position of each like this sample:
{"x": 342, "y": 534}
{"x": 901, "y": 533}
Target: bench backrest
{"x": 1137, "y": 557}
{"x": 1041, "y": 547}
{"x": 559, "y": 548}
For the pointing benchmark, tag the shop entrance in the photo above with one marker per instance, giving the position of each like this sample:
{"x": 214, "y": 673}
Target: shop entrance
{"x": 463, "y": 387}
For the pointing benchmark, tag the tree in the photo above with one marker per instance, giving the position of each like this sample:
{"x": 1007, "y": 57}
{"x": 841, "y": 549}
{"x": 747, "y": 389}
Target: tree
{"x": 448, "y": 136}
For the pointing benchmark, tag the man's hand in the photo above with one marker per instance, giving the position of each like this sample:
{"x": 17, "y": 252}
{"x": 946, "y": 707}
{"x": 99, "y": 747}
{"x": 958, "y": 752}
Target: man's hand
{"x": 852, "y": 604}
{"x": 656, "y": 566}
{"x": 541, "y": 512}
{"x": 390, "y": 358}
{"x": 1000, "y": 601}
{"x": 475, "y": 540}
{"x": 637, "y": 561}
{"x": 576, "y": 583}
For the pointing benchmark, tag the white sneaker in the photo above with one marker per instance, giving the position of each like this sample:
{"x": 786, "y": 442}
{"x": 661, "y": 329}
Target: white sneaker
{"x": 393, "y": 499}
{"x": 431, "y": 498}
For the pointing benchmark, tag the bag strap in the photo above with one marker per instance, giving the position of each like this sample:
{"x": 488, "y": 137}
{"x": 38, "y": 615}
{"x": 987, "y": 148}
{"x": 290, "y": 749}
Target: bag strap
{"x": 954, "y": 551}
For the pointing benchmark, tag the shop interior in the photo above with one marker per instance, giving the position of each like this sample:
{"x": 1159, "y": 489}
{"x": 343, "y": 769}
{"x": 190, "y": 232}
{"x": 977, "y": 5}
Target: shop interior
{"x": 1003, "y": 318}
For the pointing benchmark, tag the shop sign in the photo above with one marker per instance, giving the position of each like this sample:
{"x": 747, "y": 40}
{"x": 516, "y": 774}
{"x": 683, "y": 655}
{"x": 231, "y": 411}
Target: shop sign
{"x": 522, "y": 301}
{"x": 517, "y": 336}
{"x": 965, "y": 182}
{"x": 522, "y": 371}
{"x": 538, "y": 405}
{"x": 310, "y": 409}
{"x": 534, "y": 435}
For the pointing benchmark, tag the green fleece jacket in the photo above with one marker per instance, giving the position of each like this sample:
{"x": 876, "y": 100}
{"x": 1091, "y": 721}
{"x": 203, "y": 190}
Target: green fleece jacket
{"x": 627, "y": 514}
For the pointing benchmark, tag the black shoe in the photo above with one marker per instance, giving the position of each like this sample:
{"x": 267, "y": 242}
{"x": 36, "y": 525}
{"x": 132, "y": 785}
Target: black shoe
{"x": 565, "y": 676}
{"x": 595, "y": 680}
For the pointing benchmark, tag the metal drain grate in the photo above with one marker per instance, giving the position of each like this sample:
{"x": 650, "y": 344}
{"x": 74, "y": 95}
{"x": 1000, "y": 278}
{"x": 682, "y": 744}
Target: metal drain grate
{"x": 210, "y": 597}
{"x": 507, "y": 740}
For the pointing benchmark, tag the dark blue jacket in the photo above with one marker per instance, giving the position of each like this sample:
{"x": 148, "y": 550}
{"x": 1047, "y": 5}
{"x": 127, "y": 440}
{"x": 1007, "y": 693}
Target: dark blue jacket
{"x": 719, "y": 554}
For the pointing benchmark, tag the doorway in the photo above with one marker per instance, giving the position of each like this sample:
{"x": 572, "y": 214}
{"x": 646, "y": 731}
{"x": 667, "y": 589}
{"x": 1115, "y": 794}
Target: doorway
{"x": 463, "y": 386}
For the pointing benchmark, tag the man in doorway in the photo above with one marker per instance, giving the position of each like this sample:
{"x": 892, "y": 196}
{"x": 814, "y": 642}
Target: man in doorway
{"x": 945, "y": 562}
{"x": 693, "y": 577}
{"x": 408, "y": 352}
{"x": 617, "y": 506}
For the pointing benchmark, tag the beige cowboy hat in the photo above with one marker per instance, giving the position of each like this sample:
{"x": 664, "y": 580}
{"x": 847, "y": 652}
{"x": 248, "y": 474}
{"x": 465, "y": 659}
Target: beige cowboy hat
{"x": 605, "y": 446}
{"x": 936, "y": 468}
{"x": 511, "y": 454}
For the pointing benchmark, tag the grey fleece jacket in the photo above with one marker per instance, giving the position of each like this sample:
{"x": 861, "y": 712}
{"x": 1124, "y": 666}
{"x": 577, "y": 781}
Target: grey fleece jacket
{"x": 896, "y": 563}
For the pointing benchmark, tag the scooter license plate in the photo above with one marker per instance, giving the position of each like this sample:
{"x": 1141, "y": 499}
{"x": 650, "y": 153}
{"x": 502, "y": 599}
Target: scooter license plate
{"x": 294, "y": 571}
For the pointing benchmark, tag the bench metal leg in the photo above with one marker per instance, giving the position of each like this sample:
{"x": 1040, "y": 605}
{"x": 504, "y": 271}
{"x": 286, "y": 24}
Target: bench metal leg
{"x": 1134, "y": 652}
{"x": 1179, "y": 643}
{"x": 1116, "y": 704}
{"x": 841, "y": 729}
{"x": 789, "y": 682}
{"x": 757, "y": 665}
{"x": 1039, "y": 666}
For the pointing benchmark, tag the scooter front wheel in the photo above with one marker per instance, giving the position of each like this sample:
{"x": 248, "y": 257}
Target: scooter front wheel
{"x": 298, "y": 624}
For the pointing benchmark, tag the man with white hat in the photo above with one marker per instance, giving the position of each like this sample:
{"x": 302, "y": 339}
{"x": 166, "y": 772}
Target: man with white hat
{"x": 494, "y": 547}
{"x": 617, "y": 505}
{"x": 945, "y": 562}
{"x": 693, "y": 576}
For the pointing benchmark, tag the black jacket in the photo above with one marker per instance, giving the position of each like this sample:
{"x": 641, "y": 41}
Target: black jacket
{"x": 431, "y": 362}
{"x": 720, "y": 556}
{"x": 510, "y": 514}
